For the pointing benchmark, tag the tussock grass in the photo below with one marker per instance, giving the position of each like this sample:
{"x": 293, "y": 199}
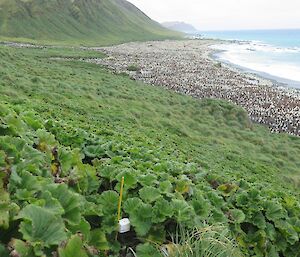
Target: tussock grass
{"x": 208, "y": 241}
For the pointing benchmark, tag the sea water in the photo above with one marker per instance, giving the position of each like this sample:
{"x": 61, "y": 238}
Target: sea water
{"x": 272, "y": 53}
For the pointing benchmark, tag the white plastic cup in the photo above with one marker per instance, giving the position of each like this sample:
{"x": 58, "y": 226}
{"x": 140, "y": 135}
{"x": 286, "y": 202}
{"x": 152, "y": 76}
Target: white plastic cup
{"x": 124, "y": 225}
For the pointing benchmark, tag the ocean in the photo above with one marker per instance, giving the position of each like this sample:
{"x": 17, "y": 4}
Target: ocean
{"x": 271, "y": 53}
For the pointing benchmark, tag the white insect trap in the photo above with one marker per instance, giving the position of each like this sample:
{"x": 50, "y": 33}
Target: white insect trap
{"x": 124, "y": 226}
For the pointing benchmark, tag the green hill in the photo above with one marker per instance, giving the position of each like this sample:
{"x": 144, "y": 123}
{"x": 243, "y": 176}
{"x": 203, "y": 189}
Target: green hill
{"x": 73, "y": 21}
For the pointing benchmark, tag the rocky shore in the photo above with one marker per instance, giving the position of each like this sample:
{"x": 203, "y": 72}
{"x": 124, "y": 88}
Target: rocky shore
{"x": 186, "y": 67}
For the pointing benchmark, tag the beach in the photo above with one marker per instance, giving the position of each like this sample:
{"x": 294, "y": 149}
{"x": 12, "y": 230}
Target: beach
{"x": 188, "y": 67}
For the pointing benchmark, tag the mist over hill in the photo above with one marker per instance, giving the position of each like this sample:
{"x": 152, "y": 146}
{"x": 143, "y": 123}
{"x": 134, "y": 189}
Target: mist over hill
{"x": 180, "y": 26}
{"x": 98, "y": 21}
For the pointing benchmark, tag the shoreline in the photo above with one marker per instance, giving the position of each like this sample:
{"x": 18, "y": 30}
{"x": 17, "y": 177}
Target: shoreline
{"x": 214, "y": 56}
{"x": 187, "y": 67}
{"x": 276, "y": 80}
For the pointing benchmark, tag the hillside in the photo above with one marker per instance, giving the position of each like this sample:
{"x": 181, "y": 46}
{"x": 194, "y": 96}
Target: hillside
{"x": 83, "y": 21}
{"x": 180, "y": 26}
{"x": 69, "y": 131}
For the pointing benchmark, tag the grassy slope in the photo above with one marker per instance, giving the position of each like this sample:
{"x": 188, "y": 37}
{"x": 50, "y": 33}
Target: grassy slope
{"x": 156, "y": 128}
{"x": 87, "y": 22}
{"x": 215, "y": 134}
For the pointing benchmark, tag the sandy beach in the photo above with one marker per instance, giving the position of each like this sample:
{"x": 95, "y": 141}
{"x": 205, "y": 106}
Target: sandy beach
{"x": 188, "y": 68}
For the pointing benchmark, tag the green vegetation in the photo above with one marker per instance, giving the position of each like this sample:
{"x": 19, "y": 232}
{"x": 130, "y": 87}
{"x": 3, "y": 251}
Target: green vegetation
{"x": 132, "y": 67}
{"x": 69, "y": 131}
{"x": 93, "y": 22}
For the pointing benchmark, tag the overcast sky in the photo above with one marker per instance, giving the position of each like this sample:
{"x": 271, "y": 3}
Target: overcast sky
{"x": 225, "y": 14}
